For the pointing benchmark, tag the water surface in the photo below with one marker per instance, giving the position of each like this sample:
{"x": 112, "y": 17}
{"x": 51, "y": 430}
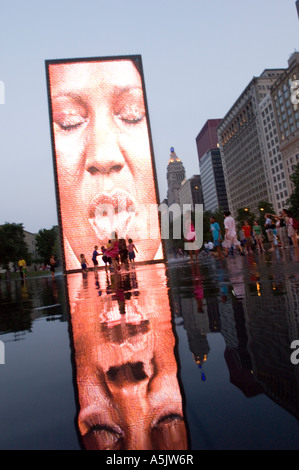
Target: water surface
{"x": 232, "y": 322}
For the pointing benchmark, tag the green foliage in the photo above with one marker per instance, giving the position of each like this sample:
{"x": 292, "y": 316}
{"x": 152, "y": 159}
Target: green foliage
{"x": 207, "y": 235}
{"x": 12, "y": 244}
{"x": 264, "y": 208}
{"x": 47, "y": 242}
{"x": 244, "y": 213}
{"x": 173, "y": 243}
{"x": 293, "y": 201}
{"x": 218, "y": 214}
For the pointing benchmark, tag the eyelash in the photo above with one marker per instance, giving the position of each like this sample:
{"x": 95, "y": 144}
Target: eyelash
{"x": 64, "y": 126}
{"x": 70, "y": 127}
{"x": 130, "y": 121}
{"x": 168, "y": 418}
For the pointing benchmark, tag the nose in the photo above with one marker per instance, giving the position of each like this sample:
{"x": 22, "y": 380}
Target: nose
{"x": 129, "y": 385}
{"x": 103, "y": 154}
{"x": 130, "y": 373}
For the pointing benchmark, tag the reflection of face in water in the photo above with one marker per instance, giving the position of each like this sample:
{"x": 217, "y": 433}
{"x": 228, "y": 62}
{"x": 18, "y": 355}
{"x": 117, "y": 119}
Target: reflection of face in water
{"x": 128, "y": 391}
{"x": 104, "y": 166}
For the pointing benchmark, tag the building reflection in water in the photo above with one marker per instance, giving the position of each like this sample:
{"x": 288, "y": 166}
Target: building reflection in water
{"x": 126, "y": 372}
{"x": 272, "y": 316}
{"x": 257, "y": 313}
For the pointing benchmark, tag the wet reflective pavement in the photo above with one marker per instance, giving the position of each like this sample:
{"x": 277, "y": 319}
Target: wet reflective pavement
{"x": 177, "y": 356}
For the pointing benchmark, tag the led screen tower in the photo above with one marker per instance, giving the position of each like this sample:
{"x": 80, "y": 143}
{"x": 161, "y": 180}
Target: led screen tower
{"x": 103, "y": 159}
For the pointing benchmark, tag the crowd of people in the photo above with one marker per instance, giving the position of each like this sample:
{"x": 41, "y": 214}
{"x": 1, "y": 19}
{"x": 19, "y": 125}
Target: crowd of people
{"x": 280, "y": 231}
{"x": 118, "y": 254}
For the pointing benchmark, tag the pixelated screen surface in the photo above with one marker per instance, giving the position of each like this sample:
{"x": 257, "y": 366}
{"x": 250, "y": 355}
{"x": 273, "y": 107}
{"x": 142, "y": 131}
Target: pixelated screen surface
{"x": 126, "y": 371}
{"x": 103, "y": 159}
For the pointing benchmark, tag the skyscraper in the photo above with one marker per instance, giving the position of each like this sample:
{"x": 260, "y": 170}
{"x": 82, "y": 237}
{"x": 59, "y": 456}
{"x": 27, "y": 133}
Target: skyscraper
{"x": 210, "y": 164}
{"x": 284, "y": 95}
{"x": 175, "y": 176}
{"x": 276, "y": 167}
{"x": 241, "y": 142}
{"x": 190, "y": 192}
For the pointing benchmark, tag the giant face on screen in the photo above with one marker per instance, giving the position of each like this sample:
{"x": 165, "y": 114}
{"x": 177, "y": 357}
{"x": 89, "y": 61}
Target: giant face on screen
{"x": 103, "y": 159}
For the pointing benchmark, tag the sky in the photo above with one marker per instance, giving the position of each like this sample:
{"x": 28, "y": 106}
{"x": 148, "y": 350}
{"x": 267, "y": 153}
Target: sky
{"x": 198, "y": 56}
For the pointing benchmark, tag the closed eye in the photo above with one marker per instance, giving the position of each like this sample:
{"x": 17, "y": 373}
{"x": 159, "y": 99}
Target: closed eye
{"x": 129, "y": 106}
{"x": 102, "y": 437}
{"x": 69, "y": 122}
{"x": 169, "y": 418}
{"x": 70, "y": 127}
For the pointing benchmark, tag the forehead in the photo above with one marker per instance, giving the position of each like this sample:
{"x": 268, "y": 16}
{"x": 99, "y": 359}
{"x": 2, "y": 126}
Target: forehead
{"x": 81, "y": 75}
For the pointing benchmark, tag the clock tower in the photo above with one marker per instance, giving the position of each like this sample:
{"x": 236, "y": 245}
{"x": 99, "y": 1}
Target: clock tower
{"x": 175, "y": 176}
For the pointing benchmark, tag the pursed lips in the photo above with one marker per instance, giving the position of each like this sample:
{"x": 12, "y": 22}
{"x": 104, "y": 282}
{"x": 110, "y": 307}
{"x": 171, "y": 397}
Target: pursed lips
{"x": 111, "y": 212}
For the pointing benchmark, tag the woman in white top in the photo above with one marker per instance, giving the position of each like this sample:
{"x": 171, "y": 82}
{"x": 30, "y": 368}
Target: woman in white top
{"x": 292, "y": 233}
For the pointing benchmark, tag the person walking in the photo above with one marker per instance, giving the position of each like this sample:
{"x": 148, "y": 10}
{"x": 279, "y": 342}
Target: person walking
{"x": 94, "y": 258}
{"x": 131, "y": 250}
{"x": 21, "y": 263}
{"x": 230, "y": 238}
{"x": 216, "y": 233}
{"x": 269, "y": 230}
{"x": 248, "y": 237}
{"x": 258, "y": 236}
{"x": 52, "y": 265}
{"x": 292, "y": 233}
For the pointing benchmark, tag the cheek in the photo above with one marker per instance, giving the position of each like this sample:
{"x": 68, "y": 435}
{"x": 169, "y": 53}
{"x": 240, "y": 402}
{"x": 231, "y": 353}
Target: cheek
{"x": 71, "y": 196}
{"x": 135, "y": 146}
{"x": 145, "y": 189}
{"x": 69, "y": 152}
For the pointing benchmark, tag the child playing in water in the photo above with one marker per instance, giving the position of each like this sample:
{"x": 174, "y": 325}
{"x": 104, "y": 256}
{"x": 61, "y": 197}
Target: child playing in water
{"x": 105, "y": 258}
{"x": 131, "y": 249}
{"x": 113, "y": 251}
{"x": 83, "y": 263}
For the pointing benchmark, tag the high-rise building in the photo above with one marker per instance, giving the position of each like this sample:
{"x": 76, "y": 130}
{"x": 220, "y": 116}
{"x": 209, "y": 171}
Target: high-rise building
{"x": 241, "y": 143}
{"x": 285, "y": 95}
{"x": 210, "y": 165}
{"x": 207, "y": 138}
{"x": 190, "y": 192}
{"x": 175, "y": 176}
{"x": 213, "y": 184}
{"x": 276, "y": 167}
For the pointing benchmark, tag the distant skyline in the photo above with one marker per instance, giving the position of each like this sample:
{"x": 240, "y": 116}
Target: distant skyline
{"x": 197, "y": 57}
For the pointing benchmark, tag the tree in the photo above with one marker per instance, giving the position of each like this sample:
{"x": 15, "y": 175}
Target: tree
{"x": 244, "y": 213}
{"x": 218, "y": 214}
{"x": 293, "y": 201}
{"x": 47, "y": 243}
{"x": 264, "y": 207}
{"x": 12, "y": 244}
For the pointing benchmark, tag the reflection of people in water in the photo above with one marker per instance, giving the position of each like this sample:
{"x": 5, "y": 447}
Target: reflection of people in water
{"x": 128, "y": 390}
{"x": 190, "y": 235}
{"x": 104, "y": 166}
{"x": 198, "y": 286}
